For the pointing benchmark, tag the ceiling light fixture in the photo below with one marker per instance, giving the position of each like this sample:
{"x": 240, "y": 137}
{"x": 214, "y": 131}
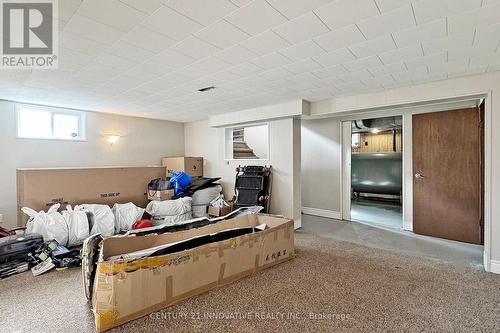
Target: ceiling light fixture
{"x": 375, "y": 130}
{"x": 206, "y": 89}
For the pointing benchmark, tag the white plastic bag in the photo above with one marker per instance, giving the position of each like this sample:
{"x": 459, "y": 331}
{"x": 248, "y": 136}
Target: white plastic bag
{"x": 126, "y": 215}
{"x": 78, "y": 225}
{"x": 169, "y": 207}
{"x": 50, "y": 225}
{"x": 202, "y": 198}
{"x": 103, "y": 219}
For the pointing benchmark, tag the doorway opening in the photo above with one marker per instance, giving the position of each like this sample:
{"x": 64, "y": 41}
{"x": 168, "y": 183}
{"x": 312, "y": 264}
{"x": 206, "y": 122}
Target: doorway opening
{"x": 377, "y": 171}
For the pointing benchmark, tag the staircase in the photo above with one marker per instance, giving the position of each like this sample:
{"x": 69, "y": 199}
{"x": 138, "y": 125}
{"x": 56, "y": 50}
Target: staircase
{"x": 242, "y": 151}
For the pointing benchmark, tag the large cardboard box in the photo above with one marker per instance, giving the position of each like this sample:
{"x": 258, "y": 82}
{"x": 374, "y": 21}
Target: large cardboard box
{"x": 191, "y": 165}
{"x": 41, "y": 188}
{"x": 126, "y": 290}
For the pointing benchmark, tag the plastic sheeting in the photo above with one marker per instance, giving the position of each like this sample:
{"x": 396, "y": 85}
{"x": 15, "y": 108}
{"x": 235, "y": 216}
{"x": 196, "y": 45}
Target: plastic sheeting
{"x": 50, "y": 224}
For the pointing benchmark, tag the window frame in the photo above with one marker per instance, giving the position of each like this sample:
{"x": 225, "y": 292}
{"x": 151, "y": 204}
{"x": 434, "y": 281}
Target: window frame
{"x": 81, "y": 115}
{"x": 231, "y": 128}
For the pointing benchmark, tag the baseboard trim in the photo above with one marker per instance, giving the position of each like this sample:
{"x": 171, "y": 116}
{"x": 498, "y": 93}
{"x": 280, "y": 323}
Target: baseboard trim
{"x": 495, "y": 266}
{"x": 322, "y": 212}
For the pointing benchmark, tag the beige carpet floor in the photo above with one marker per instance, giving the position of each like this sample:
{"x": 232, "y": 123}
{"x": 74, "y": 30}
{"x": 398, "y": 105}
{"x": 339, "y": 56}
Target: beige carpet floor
{"x": 331, "y": 286}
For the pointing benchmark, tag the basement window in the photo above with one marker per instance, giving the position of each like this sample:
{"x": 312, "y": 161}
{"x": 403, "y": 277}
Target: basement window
{"x": 38, "y": 122}
{"x": 249, "y": 142}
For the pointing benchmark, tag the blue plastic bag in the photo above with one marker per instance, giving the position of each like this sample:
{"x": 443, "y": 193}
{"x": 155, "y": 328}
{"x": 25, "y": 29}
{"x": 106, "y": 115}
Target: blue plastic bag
{"x": 179, "y": 181}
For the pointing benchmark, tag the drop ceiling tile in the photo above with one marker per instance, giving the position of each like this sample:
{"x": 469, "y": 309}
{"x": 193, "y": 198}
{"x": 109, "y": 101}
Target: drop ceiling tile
{"x": 487, "y": 34}
{"x": 74, "y": 57}
{"x": 84, "y": 27}
{"x": 331, "y": 71}
{"x": 387, "y": 69}
{"x": 334, "y": 57}
{"x": 408, "y": 76}
{"x": 256, "y": 17}
{"x": 195, "y": 48}
{"x": 354, "y": 76}
{"x": 431, "y": 59}
{"x": 363, "y": 63}
{"x": 429, "y": 10}
{"x": 301, "y": 28}
{"x": 147, "y": 39}
{"x": 154, "y": 67}
{"x": 489, "y": 59}
{"x": 140, "y": 76}
{"x": 270, "y": 61}
{"x": 340, "y": 38}
{"x": 265, "y": 43}
{"x": 460, "y": 65}
{"x": 109, "y": 71}
{"x": 97, "y": 78}
{"x": 147, "y": 7}
{"x": 275, "y": 74}
{"x": 302, "y": 66}
{"x": 246, "y": 69}
{"x": 388, "y": 5}
{"x": 114, "y": 61}
{"x": 211, "y": 64}
{"x": 453, "y": 41}
{"x": 402, "y": 54}
{"x": 115, "y": 87}
{"x": 81, "y": 44}
{"x": 421, "y": 33}
{"x": 112, "y": 13}
{"x": 172, "y": 58}
{"x": 341, "y": 13}
{"x": 384, "y": 24}
{"x": 294, "y": 8}
{"x": 378, "y": 80}
{"x": 67, "y": 8}
{"x": 475, "y": 50}
{"x": 130, "y": 52}
{"x": 170, "y": 23}
{"x": 373, "y": 46}
{"x": 481, "y": 17}
{"x": 302, "y": 50}
{"x": 222, "y": 34}
{"x": 191, "y": 72}
{"x": 203, "y": 12}
{"x": 236, "y": 55}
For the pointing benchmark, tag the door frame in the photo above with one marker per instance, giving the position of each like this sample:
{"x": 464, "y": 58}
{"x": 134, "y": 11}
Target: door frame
{"x": 407, "y": 112}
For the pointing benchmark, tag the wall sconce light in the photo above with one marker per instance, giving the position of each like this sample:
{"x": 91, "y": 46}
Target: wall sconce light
{"x": 112, "y": 138}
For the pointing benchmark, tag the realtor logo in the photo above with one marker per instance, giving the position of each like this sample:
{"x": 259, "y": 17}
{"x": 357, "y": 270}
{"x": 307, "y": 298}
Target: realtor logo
{"x": 29, "y": 36}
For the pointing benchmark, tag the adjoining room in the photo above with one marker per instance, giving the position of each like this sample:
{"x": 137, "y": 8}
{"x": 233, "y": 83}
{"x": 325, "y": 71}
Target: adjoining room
{"x": 249, "y": 166}
{"x": 377, "y": 171}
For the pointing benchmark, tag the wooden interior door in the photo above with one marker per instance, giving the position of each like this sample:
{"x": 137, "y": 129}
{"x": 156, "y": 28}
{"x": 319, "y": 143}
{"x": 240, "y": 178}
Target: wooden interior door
{"x": 447, "y": 168}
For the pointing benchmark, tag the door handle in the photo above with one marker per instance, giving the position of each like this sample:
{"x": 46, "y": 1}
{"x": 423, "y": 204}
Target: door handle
{"x": 418, "y": 175}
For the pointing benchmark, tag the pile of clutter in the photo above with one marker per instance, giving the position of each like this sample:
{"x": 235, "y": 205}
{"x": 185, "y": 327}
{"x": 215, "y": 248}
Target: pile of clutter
{"x": 182, "y": 198}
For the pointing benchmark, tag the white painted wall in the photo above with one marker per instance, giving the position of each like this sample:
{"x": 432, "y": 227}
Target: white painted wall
{"x": 206, "y": 141}
{"x": 321, "y": 164}
{"x": 144, "y": 142}
{"x": 257, "y": 138}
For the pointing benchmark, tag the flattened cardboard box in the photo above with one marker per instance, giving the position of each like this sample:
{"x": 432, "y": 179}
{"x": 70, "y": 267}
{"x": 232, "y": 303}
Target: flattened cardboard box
{"x": 124, "y": 291}
{"x": 41, "y": 188}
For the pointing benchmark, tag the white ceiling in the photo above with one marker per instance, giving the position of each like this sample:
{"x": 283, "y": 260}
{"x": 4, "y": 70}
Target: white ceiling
{"x": 150, "y": 57}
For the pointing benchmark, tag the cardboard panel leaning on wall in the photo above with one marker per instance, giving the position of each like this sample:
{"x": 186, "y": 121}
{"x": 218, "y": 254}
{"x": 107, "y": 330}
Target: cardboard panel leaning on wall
{"x": 41, "y": 188}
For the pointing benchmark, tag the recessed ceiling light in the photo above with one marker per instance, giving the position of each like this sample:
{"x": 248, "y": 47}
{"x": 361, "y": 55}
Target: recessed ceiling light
{"x": 206, "y": 89}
